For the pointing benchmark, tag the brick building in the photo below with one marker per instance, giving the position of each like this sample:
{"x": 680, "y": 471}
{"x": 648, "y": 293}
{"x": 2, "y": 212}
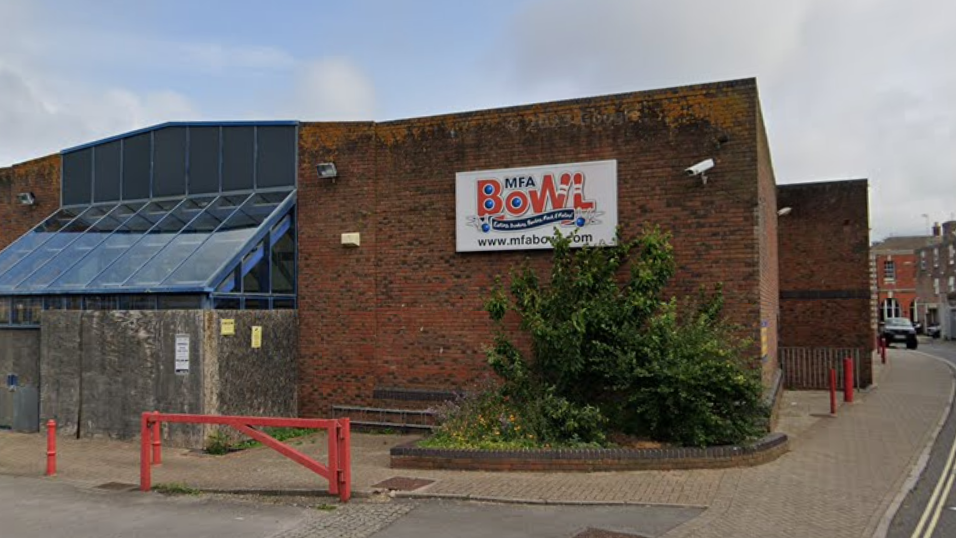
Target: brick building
{"x": 393, "y": 255}
{"x": 895, "y": 267}
{"x": 935, "y": 265}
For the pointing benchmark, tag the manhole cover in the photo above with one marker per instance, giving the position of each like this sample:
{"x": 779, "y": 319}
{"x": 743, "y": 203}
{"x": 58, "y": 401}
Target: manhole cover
{"x": 403, "y": 483}
{"x": 116, "y": 486}
{"x": 601, "y": 533}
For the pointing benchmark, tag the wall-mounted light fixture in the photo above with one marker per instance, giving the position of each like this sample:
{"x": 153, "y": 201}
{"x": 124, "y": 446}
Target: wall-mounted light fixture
{"x": 326, "y": 171}
{"x": 26, "y": 198}
{"x": 784, "y": 211}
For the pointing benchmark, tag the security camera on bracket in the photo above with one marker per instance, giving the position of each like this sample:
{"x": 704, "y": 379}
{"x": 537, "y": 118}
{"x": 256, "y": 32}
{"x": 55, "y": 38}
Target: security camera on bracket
{"x": 700, "y": 169}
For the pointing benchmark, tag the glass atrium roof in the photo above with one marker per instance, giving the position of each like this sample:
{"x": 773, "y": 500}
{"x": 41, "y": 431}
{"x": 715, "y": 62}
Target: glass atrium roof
{"x": 174, "y": 245}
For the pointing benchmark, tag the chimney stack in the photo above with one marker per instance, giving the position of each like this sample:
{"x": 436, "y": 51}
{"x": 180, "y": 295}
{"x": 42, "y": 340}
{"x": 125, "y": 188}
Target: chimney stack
{"x": 937, "y": 231}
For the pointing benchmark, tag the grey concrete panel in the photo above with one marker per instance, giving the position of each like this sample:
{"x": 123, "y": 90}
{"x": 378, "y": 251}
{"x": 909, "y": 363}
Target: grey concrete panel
{"x": 60, "y": 368}
{"x": 256, "y": 381}
{"x": 128, "y": 367}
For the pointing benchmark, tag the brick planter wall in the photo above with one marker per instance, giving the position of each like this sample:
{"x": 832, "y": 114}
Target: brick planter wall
{"x": 769, "y": 448}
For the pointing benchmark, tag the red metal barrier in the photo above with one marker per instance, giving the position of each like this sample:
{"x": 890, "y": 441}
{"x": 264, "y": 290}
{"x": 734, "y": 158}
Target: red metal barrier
{"x": 338, "y": 471}
{"x": 833, "y": 387}
{"x": 51, "y": 447}
{"x": 848, "y": 380}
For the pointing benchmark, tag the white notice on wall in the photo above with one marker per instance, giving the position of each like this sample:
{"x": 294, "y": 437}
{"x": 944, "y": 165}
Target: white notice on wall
{"x": 182, "y": 354}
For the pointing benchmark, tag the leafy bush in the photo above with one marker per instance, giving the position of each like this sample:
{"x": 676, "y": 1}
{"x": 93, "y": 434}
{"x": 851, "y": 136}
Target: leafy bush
{"x": 609, "y": 354}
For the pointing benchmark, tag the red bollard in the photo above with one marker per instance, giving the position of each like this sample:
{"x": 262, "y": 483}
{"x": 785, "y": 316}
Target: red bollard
{"x": 833, "y": 387}
{"x": 51, "y": 447}
{"x": 848, "y": 380}
{"x": 157, "y": 440}
{"x": 883, "y": 350}
{"x": 145, "y": 479}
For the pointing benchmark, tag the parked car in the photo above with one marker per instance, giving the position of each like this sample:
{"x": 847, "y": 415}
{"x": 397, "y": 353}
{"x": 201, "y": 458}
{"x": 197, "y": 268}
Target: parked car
{"x": 932, "y": 330}
{"x": 899, "y": 330}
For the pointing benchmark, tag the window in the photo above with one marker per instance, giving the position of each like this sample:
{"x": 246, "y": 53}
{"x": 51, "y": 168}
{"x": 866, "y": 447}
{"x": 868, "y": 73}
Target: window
{"x": 936, "y": 257}
{"x": 952, "y": 284}
{"x": 952, "y": 254}
{"x": 890, "y": 309}
{"x": 889, "y": 271}
{"x": 936, "y": 286}
{"x": 922, "y": 260}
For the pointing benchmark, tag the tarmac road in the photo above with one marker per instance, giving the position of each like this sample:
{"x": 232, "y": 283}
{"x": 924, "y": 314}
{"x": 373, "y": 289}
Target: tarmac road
{"x": 38, "y": 508}
{"x": 917, "y": 516}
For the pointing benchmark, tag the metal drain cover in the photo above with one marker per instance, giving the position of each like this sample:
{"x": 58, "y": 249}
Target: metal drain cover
{"x": 117, "y": 486}
{"x": 601, "y": 533}
{"x": 403, "y": 483}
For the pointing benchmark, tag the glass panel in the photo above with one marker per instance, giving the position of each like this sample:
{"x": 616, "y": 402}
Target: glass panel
{"x": 36, "y": 237}
{"x": 26, "y": 310}
{"x": 283, "y": 262}
{"x": 137, "y": 302}
{"x": 257, "y": 304}
{"x": 184, "y": 244}
{"x": 150, "y": 243}
{"x": 230, "y": 283}
{"x": 279, "y": 303}
{"x": 113, "y": 247}
{"x": 180, "y": 302}
{"x": 101, "y": 302}
{"x": 5, "y": 310}
{"x": 50, "y": 248}
{"x": 73, "y": 302}
{"x": 53, "y": 303}
{"x": 226, "y": 303}
{"x": 254, "y": 267}
{"x": 75, "y": 252}
{"x": 226, "y": 242}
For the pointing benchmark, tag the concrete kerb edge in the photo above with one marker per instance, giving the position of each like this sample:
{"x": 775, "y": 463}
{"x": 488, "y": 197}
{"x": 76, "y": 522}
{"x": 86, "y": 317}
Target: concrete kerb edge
{"x": 917, "y": 470}
{"x": 518, "y": 500}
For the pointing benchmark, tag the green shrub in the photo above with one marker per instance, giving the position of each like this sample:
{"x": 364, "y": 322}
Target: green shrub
{"x": 609, "y": 354}
{"x": 218, "y": 443}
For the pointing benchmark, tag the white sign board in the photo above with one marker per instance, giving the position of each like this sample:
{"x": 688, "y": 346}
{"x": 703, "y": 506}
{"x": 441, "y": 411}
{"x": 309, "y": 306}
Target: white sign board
{"x": 182, "y": 354}
{"x": 519, "y": 208}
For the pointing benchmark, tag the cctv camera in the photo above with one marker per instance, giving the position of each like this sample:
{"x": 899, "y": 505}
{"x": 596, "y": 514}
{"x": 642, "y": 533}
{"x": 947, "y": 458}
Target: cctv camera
{"x": 699, "y": 168}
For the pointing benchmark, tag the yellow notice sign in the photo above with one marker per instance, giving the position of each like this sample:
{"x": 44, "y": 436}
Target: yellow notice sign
{"x": 256, "y": 336}
{"x": 228, "y": 327}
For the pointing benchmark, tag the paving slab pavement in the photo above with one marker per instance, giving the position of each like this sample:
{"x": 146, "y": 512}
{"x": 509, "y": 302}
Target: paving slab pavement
{"x": 838, "y": 480}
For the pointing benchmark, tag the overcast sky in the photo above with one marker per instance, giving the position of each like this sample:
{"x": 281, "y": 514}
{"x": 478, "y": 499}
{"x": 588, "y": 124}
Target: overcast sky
{"x": 849, "y": 88}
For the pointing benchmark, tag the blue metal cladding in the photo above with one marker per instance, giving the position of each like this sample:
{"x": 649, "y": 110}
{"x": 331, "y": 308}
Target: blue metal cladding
{"x": 165, "y": 246}
{"x": 181, "y": 159}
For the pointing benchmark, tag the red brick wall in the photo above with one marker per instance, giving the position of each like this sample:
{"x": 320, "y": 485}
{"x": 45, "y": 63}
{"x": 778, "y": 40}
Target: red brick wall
{"x": 39, "y": 176}
{"x": 405, "y": 310}
{"x": 767, "y": 240}
{"x": 903, "y": 287}
{"x": 824, "y": 265}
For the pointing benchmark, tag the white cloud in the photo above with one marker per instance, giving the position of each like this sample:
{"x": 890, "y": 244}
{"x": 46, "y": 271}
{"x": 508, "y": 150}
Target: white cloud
{"x": 332, "y": 89}
{"x": 857, "y": 88}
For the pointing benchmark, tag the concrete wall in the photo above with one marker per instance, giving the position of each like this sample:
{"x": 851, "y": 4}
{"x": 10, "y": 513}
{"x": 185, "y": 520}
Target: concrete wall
{"x": 102, "y": 370}
{"x": 242, "y": 380}
{"x": 404, "y": 310}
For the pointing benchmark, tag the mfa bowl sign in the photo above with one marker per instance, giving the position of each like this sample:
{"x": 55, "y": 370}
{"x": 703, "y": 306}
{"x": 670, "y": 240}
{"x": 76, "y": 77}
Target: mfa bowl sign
{"x": 519, "y": 208}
